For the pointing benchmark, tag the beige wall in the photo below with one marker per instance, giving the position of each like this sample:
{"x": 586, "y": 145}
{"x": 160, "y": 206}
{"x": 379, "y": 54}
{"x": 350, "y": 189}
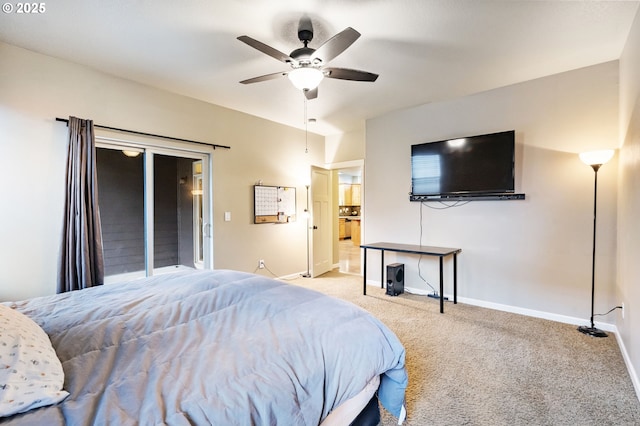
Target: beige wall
{"x": 34, "y": 89}
{"x": 533, "y": 255}
{"x": 628, "y": 285}
{"x": 345, "y": 146}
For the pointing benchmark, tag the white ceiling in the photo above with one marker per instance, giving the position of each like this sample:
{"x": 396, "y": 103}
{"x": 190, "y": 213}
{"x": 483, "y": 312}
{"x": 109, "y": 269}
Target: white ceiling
{"x": 423, "y": 50}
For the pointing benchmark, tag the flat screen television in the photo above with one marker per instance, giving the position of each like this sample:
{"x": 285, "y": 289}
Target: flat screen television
{"x": 470, "y": 166}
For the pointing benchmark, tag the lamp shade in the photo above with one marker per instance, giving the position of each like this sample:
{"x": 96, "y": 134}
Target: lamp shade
{"x": 306, "y": 78}
{"x": 600, "y": 157}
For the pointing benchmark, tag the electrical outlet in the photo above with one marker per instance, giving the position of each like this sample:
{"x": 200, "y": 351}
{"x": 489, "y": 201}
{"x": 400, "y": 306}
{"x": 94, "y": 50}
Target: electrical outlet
{"x": 623, "y": 311}
{"x": 261, "y": 263}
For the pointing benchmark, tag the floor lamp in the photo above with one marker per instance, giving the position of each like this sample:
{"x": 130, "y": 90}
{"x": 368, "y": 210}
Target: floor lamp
{"x": 595, "y": 159}
{"x": 307, "y": 213}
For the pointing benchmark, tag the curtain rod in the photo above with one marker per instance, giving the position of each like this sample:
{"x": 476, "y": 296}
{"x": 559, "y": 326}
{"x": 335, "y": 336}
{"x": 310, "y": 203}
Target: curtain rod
{"x": 150, "y": 134}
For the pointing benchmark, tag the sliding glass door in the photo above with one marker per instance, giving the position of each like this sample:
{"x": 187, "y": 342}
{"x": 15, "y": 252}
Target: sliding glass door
{"x": 155, "y": 206}
{"x": 121, "y": 202}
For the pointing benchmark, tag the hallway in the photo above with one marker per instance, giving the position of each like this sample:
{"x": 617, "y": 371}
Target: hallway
{"x": 349, "y": 255}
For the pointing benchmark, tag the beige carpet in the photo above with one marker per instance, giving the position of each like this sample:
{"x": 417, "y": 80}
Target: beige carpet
{"x": 476, "y": 366}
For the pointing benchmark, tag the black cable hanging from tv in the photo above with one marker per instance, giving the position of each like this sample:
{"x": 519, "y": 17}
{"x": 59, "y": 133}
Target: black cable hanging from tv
{"x": 135, "y": 132}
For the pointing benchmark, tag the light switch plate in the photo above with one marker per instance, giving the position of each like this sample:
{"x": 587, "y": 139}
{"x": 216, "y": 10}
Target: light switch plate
{"x": 227, "y": 216}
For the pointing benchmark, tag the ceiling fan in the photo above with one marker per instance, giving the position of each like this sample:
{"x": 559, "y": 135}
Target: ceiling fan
{"x": 307, "y": 64}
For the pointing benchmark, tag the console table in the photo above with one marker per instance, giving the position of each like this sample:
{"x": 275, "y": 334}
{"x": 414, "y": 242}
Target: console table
{"x": 440, "y": 252}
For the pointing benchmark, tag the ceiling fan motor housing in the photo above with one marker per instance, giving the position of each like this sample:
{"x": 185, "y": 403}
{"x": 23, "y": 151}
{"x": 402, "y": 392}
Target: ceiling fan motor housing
{"x": 305, "y": 36}
{"x": 303, "y": 56}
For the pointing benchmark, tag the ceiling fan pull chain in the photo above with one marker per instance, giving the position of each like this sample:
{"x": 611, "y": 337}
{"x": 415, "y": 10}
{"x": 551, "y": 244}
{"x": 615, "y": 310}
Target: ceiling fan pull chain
{"x": 306, "y": 132}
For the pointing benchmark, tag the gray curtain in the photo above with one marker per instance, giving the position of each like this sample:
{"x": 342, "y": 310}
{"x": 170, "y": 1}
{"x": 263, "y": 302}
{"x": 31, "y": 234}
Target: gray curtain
{"x": 81, "y": 263}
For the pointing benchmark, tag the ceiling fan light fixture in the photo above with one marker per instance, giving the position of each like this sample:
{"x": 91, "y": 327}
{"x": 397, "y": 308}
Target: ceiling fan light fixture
{"x": 131, "y": 153}
{"x": 305, "y": 78}
{"x": 307, "y": 64}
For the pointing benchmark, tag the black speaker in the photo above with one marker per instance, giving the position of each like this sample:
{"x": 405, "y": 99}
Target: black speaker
{"x": 395, "y": 279}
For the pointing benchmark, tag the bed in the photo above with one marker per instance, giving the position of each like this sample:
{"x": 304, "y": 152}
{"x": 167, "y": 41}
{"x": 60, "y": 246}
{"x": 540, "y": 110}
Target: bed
{"x": 201, "y": 347}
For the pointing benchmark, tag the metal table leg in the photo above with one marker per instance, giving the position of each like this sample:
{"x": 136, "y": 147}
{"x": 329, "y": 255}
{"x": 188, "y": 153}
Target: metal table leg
{"x": 382, "y": 269}
{"x": 441, "y": 287}
{"x": 455, "y": 278}
{"x": 364, "y": 275}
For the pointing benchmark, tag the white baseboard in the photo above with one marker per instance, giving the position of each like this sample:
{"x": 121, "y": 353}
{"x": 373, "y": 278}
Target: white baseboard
{"x": 538, "y": 314}
{"x": 544, "y": 315}
{"x": 632, "y": 371}
{"x": 291, "y": 276}
{"x": 522, "y": 311}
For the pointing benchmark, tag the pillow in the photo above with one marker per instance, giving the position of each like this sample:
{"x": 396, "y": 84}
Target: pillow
{"x": 31, "y": 374}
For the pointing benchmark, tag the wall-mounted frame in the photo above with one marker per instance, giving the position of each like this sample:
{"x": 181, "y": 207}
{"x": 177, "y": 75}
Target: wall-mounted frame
{"x": 274, "y": 204}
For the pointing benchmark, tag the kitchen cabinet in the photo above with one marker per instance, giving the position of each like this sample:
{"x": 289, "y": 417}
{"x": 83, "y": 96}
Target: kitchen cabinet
{"x": 349, "y": 194}
{"x": 347, "y": 227}
{"x": 344, "y": 197}
{"x": 355, "y": 195}
{"x": 355, "y": 232}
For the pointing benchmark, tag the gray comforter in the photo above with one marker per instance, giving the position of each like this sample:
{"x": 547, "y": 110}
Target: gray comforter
{"x": 211, "y": 347}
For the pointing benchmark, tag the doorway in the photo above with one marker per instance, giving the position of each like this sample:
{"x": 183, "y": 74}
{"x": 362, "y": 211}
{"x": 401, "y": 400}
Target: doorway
{"x": 350, "y": 207}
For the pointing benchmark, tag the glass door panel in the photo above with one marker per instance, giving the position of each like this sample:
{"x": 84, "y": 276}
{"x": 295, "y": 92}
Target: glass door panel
{"x": 173, "y": 213}
{"x": 121, "y": 198}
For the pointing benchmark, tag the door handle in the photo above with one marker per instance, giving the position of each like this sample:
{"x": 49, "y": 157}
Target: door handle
{"x": 315, "y": 227}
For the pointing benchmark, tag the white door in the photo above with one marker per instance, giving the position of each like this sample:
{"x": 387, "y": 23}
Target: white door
{"x": 321, "y": 231}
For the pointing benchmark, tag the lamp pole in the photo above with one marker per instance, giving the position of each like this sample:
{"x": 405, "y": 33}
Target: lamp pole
{"x": 593, "y": 331}
{"x": 594, "y": 159}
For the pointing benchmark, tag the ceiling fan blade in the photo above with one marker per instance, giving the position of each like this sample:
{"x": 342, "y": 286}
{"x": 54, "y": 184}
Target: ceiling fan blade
{"x": 265, "y": 77}
{"x": 311, "y": 94}
{"x": 349, "y": 74}
{"x": 335, "y": 45}
{"x": 274, "y": 53}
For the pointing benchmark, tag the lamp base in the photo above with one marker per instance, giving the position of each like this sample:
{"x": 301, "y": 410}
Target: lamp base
{"x": 592, "y": 331}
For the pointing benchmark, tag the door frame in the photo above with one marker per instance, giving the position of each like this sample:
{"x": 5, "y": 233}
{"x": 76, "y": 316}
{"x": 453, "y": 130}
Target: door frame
{"x": 176, "y": 149}
{"x": 336, "y": 167}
